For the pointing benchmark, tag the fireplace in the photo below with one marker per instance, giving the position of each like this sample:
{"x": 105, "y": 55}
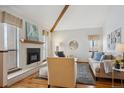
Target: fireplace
{"x": 33, "y": 55}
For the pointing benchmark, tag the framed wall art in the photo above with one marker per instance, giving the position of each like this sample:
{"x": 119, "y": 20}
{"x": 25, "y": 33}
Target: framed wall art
{"x": 113, "y": 38}
{"x": 31, "y": 31}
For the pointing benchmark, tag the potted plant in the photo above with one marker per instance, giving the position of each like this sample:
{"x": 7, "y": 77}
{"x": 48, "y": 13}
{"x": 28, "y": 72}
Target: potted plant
{"x": 117, "y": 64}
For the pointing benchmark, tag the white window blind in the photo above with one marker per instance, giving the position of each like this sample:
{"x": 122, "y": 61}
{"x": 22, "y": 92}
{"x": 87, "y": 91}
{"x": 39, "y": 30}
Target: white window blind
{"x": 12, "y": 46}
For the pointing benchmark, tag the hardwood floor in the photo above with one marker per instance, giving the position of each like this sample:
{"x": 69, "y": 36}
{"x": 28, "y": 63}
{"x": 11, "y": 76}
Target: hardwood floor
{"x": 33, "y": 82}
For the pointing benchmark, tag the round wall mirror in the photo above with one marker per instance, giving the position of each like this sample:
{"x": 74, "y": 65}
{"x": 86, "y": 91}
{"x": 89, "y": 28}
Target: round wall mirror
{"x": 73, "y": 44}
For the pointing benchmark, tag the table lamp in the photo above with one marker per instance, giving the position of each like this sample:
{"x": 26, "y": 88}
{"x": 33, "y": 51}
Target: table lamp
{"x": 120, "y": 48}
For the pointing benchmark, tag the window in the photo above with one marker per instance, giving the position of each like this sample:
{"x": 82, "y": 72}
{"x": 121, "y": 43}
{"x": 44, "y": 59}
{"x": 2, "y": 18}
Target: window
{"x": 93, "y": 44}
{"x": 93, "y": 40}
{"x": 12, "y": 39}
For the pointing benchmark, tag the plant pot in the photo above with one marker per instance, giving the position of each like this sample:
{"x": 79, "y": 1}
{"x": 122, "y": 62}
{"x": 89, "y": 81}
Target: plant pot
{"x": 117, "y": 66}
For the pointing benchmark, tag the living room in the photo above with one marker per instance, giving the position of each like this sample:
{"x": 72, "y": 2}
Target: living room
{"x": 81, "y": 31}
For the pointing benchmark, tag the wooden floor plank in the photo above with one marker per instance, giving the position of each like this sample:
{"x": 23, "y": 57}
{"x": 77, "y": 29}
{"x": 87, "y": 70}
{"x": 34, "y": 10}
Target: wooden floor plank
{"x": 33, "y": 82}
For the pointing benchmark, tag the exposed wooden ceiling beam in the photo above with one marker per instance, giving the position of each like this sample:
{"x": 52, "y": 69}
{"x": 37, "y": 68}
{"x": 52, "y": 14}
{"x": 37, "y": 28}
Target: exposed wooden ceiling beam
{"x": 59, "y": 18}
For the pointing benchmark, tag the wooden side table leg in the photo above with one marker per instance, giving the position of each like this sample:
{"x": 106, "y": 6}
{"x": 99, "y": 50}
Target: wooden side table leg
{"x": 121, "y": 79}
{"x": 112, "y": 78}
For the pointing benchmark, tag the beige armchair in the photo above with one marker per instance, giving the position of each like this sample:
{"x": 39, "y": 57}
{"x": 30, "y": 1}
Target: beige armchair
{"x": 61, "y": 72}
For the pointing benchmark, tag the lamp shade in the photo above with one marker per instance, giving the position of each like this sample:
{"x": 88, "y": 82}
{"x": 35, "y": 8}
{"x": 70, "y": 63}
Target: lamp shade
{"x": 120, "y": 47}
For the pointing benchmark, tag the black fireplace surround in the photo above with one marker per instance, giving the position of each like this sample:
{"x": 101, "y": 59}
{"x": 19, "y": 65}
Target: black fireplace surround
{"x": 33, "y": 55}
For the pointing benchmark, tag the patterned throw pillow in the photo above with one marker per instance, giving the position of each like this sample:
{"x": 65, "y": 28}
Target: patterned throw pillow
{"x": 98, "y": 56}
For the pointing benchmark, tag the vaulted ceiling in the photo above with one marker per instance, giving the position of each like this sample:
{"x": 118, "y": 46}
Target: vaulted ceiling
{"x": 76, "y": 17}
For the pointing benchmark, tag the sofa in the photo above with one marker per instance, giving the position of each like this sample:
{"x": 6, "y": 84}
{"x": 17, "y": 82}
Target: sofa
{"x": 102, "y": 67}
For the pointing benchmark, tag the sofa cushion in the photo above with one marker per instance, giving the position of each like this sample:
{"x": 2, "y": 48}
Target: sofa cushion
{"x": 98, "y": 56}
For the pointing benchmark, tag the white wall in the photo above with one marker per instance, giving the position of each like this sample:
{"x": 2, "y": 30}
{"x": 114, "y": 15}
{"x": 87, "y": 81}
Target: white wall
{"x": 114, "y": 20}
{"x": 1, "y": 37}
{"x": 81, "y": 36}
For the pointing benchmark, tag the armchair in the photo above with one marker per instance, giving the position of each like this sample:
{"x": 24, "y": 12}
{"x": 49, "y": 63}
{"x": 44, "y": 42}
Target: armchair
{"x": 61, "y": 72}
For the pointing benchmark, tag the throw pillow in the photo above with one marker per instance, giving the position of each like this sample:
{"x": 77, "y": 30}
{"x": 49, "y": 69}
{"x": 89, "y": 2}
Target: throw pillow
{"x": 107, "y": 57}
{"x": 60, "y": 54}
{"x": 102, "y": 57}
{"x": 92, "y": 55}
{"x": 98, "y": 56}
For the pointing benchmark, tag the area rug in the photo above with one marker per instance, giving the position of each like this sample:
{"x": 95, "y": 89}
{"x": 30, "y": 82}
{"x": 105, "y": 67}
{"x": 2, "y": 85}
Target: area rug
{"x": 84, "y": 74}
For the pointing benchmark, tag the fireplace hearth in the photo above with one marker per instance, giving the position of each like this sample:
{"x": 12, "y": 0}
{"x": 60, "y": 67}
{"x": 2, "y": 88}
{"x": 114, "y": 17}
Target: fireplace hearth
{"x": 33, "y": 55}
